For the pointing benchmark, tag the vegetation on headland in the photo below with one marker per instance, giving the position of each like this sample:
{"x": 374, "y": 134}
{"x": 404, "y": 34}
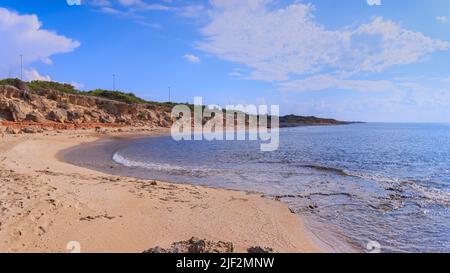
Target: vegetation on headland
{"x": 131, "y": 98}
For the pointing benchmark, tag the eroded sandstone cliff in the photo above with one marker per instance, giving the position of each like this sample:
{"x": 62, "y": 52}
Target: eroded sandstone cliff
{"x": 24, "y": 110}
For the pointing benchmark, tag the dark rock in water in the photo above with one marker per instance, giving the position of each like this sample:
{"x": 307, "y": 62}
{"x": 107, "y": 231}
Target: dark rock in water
{"x": 258, "y": 249}
{"x": 195, "y": 245}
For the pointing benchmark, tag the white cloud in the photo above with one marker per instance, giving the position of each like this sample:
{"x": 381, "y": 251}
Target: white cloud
{"x": 237, "y": 72}
{"x": 47, "y": 61}
{"x": 129, "y": 5}
{"x": 323, "y": 82}
{"x": 192, "y": 58}
{"x": 73, "y": 2}
{"x": 191, "y": 11}
{"x": 24, "y": 35}
{"x": 33, "y": 75}
{"x": 99, "y": 3}
{"x": 143, "y": 5}
{"x": 131, "y": 9}
{"x": 374, "y": 2}
{"x": 442, "y": 19}
{"x": 278, "y": 44}
{"x": 77, "y": 85}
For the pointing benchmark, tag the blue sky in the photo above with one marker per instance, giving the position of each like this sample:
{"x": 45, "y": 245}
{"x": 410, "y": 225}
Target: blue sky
{"x": 371, "y": 60}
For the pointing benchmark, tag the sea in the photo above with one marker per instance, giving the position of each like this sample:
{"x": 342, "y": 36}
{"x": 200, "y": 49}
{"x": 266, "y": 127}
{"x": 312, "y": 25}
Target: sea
{"x": 373, "y": 187}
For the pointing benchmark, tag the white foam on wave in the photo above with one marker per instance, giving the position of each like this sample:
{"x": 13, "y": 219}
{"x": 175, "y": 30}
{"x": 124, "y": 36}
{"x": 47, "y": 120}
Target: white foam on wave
{"x": 373, "y": 177}
{"x": 435, "y": 195}
{"x": 118, "y": 158}
{"x": 439, "y": 196}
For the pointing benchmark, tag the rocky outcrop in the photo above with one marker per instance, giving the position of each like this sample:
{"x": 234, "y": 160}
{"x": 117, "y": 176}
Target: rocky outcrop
{"x": 50, "y": 108}
{"x": 195, "y": 245}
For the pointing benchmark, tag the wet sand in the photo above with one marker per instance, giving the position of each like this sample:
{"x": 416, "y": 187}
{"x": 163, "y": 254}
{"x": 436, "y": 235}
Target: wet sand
{"x": 47, "y": 203}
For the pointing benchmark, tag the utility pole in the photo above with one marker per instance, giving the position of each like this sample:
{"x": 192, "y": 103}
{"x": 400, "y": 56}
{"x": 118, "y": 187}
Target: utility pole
{"x": 114, "y": 82}
{"x": 21, "y": 67}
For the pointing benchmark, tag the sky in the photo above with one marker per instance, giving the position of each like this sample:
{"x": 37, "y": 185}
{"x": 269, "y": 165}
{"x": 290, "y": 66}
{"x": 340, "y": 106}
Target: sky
{"x": 357, "y": 60}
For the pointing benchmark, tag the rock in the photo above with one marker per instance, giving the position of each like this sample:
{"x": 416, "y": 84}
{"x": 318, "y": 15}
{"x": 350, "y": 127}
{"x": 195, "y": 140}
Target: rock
{"x": 58, "y": 115}
{"x": 30, "y": 130}
{"x": 10, "y": 91}
{"x": 36, "y": 117}
{"x": 156, "y": 250}
{"x": 19, "y": 110}
{"x": 110, "y": 107}
{"x": 75, "y": 114}
{"x": 258, "y": 249}
{"x": 94, "y": 114}
{"x": 106, "y": 119}
{"x": 12, "y": 130}
{"x": 195, "y": 245}
{"x": 164, "y": 123}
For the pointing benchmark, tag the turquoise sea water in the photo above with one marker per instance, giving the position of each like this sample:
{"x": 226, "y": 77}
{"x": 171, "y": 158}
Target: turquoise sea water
{"x": 388, "y": 183}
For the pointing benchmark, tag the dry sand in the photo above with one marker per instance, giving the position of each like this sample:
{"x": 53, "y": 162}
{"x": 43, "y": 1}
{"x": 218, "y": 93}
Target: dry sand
{"x": 46, "y": 203}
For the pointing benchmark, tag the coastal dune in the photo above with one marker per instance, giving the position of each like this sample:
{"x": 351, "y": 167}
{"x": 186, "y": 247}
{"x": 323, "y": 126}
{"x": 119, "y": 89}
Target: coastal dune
{"x": 47, "y": 205}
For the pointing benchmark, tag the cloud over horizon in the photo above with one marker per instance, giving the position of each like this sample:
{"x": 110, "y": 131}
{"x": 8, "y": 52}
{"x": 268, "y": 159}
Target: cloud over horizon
{"x": 285, "y": 43}
{"x": 24, "y": 35}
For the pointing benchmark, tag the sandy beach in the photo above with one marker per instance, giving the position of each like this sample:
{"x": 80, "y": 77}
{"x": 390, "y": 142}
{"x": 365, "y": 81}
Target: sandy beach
{"x": 46, "y": 203}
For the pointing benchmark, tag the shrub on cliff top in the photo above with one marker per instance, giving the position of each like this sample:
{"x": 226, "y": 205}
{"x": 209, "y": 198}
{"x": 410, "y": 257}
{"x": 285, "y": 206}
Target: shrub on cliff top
{"x": 56, "y": 86}
{"x": 67, "y": 88}
{"x": 13, "y": 82}
{"x": 116, "y": 95}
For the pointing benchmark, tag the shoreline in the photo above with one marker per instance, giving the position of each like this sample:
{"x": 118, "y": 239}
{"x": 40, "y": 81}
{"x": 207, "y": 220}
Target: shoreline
{"x": 47, "y": 203}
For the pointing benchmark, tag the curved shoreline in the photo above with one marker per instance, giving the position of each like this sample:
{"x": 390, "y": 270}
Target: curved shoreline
{"x": 61, "y": 202}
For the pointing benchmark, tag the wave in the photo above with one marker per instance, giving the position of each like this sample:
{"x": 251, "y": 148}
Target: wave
{"x": 171, "y": 169}
{"x": 344, "y": 172}
{"x": 431, "y": 194}
{"x": 438, "y": 196}
{"x": 327, "y": 169}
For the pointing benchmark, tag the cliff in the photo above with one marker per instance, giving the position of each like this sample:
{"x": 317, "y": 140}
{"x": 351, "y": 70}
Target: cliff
{"x": 37, "y": 106}
{"x": 50, "y": 109}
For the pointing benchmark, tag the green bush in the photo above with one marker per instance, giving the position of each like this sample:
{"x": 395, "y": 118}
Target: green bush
{"x": 116, "y": 95}
{"x": 67, "y": 88}
{"x": 56, "y": 86}
{"x": 13, "y": 82}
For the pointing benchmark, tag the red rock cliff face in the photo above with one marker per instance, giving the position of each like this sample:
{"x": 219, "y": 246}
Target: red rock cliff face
{"x": 19, "y": 108}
